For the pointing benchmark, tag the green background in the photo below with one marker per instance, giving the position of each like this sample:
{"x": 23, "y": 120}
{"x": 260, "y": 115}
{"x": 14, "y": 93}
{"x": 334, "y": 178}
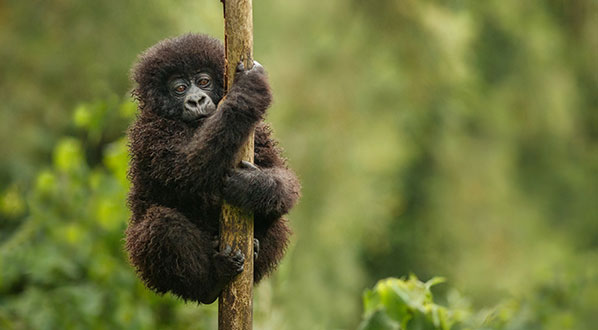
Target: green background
{"x": 452, "y": 138}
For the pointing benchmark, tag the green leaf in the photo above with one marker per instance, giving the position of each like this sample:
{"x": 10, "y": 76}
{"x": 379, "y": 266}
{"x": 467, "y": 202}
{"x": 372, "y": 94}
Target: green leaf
{"x": 82, "y": 116}
{"x": 68, "y": 155}
{"x": 379, "y": 320}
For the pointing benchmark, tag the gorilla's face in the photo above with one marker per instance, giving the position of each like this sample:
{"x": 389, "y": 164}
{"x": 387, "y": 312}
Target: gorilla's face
{"x": 181, "y": 78}
{"x": 194, "y": 95}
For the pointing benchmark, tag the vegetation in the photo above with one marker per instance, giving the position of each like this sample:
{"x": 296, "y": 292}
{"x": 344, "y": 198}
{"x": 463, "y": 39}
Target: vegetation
{"x": 409, "y": 304}
{"x": 455, "y": 139}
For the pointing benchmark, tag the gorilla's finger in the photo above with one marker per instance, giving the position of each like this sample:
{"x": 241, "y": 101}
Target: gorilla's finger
{"x": 248, "y": 165}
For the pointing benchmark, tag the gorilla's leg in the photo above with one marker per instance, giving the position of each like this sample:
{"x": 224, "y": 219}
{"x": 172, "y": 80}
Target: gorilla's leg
{"x": 272, "y": 244}
{"x": 172, "y": 254}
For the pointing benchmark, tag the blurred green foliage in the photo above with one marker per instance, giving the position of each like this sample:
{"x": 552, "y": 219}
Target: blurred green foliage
{"x": 56, "y": 54}
{"x": 455, "y": 138}
{"x": 564, "y": 303}
{"x": 61, "y": 267}
{"x": 399, "y": 304}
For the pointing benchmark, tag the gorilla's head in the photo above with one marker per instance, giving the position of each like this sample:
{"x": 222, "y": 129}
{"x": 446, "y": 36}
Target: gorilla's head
{"x": 181, "y": 78}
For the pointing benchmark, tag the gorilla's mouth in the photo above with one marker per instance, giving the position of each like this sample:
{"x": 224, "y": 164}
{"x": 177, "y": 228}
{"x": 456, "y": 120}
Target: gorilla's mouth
{"x": 203, "y": 110}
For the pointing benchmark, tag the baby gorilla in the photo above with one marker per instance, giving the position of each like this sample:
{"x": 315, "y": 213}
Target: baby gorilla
{"x": 183, "y": 151}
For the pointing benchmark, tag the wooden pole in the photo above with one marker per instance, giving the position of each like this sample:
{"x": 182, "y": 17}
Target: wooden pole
{"x": 235, "y": 306}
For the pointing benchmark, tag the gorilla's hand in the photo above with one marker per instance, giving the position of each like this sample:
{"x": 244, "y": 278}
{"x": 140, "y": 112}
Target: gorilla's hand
{"x": 252, "y": 88}
{"x": 248, "y": 187}
{"x": 257, "y": 68}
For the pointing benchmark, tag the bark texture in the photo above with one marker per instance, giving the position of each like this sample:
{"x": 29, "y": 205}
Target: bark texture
{"x": 235, "y": 306}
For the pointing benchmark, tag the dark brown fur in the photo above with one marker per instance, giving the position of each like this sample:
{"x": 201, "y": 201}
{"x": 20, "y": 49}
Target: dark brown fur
{"x": 182, "y": 171}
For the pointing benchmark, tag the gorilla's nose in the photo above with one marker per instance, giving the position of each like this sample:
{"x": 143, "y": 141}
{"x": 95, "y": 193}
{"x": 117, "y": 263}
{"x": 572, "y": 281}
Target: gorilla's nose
{"x": 194, "y": 101}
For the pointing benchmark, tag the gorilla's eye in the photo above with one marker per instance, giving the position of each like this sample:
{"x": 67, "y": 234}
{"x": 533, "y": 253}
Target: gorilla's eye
{"x": 203, "y": 82}
{"x": 180, "y": 88}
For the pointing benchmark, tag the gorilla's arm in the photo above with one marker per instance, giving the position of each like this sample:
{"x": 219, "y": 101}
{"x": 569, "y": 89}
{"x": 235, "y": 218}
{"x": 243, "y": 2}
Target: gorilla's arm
{"x": 215, "y": 145}
{"x": 270, "y": 189}
{"x": 199, "y": 162}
